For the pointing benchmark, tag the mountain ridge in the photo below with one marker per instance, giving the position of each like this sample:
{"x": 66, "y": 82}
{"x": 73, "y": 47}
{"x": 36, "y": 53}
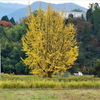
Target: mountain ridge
{"x": 12, "y": 5}
{"x": 22, "y": 12}
{"x": 8, "y": 8}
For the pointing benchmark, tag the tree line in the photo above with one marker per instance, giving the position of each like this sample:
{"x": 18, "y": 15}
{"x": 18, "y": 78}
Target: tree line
{"x": 88, "y": 38}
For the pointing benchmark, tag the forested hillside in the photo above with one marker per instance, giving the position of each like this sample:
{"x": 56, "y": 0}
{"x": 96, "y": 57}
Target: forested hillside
{"x": 88, "y": 37}
{"x": 11, "y": 48}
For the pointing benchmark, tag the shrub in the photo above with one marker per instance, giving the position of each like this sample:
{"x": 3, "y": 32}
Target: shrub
{"x": 96, "y": 71}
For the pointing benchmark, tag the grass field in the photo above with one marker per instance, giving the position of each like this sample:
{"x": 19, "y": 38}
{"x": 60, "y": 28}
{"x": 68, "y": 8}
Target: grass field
{"x": 31, "y": 94}
{"x": 29, "y": 87}
{"x": 32, "y": 82}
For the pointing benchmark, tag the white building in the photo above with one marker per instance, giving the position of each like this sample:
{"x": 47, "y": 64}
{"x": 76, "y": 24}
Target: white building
{"x": 75, "y": 14}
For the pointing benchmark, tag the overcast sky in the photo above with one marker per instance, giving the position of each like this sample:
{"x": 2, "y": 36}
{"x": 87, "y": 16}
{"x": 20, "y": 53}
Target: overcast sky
{"x": 83, "y": 3}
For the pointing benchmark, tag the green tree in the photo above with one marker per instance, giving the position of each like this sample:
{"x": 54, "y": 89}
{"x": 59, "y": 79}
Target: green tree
{"x": 96, "y": 70}
{"x": 5, "y": 18}
{"x": 21, "y": 68}
{"x": 70, "y": 16}
{"x": 92, "y": 16}
{"x": 77, "y": 10}
{"x": 11, "y": 50}
{"x": 84, "y": 29}
{"x": 96, "y": 17}
{"x": 50, "y": 46}
{"x": 82, "y": 16}
{"x": 12, "y": 21}
{"x": 89, "y": 13}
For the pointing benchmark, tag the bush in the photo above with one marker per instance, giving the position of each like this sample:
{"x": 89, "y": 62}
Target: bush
{"x": 96, "y": 71}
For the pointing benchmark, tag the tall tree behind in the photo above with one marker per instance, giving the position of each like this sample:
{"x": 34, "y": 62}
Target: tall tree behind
{"x": 93, "y": 16}
{"x": 5, "y": 18}
{"x": 12, "y": 21}
{"x": 89, "y": 14}
{"x": 96, "y": 17}
{"x": 50, "y": 46}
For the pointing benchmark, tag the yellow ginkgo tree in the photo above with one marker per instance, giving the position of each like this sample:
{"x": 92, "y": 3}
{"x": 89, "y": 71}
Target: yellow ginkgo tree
{"x": 50, "y": 46}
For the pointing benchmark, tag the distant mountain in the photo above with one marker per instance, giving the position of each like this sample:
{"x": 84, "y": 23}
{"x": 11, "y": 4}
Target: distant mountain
{"x": 68, "y": 6}
{"x": 34, "y": 6}
{"x": 7, "y": 8}
{"x": 5, "y": 11}
{"x": 18, "y": 14}
{"x": 12, "y": 5}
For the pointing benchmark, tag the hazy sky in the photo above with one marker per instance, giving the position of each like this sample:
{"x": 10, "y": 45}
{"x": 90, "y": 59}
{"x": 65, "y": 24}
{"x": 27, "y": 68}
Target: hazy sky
{"x": 83, "y": 3}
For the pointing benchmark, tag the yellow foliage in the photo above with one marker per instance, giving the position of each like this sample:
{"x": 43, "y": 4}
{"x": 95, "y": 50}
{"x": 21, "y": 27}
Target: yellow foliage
{"x": 50, "y": 46}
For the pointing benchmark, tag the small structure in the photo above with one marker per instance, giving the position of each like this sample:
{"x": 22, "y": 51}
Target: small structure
{"x": 79, "y": 73}
{"x": 75, "y": 14}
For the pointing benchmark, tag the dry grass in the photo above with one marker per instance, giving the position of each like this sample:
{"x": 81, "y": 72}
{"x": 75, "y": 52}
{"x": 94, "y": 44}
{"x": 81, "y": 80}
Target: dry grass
{"x": 30, "y": 94}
